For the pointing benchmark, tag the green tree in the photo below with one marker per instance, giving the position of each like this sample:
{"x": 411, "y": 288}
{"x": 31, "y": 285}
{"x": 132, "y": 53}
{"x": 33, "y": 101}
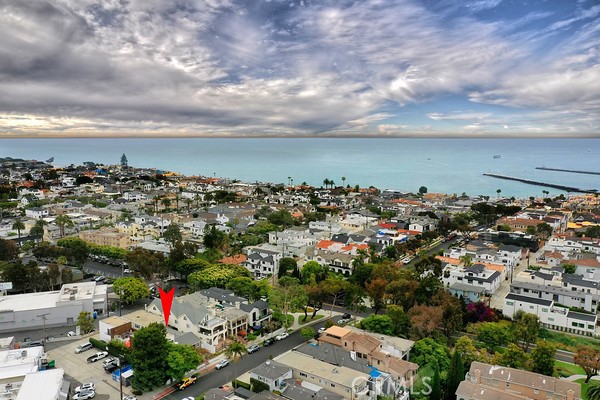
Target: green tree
{"x": 422, "y": 190}
{"x": 456, "y": 374}
{"x": 376, "y": 291}
{"x": 281, "y": 218}
{"x": 172, "y": 234}
{"x": 245, "y": 287}
{"x": 235, "y": 351}
{"x": 469, "y": 353}
{"x": 145, "y": 262}
{"x": 286, "y": 265}
{"x": 592, "y": 231}
{"x": 526, "y": 329}
{"x": 66, "y": 275}
{"x": 8, "y": 250}
{"x": 466, "y": 260}
{"x": 215, "y": 239}
{"x": 63, "y": 222}
{"x": 542, "y": 357}
{"x": 16, "y": 273}
{"x": 216, "y": 276}
{"x": 130, "y": 289}
{"x": 307, "y": 333}
{"x": 85, "y": 322}
{"x": 37, "y": 230}
{"x": 544, "y": 230}
{"x": 313, "y": 269}
{"x": 187, "y": 266}
{"x": 378, "y": 324}
{"x": 429, "y": 352}
{"x": 181, "y": 359}
{"x": 124, "y": 160}
{"x": 400, "y": 319}
{"x": 569, "y": 268}
{"x": 149, "y": 357}
{"x": 166, "y": 202}
{"x": 513, "y": 357}
{"x": 287, "y": 296}
{"x": 436, "y": 385}
{"x": 18, "y": 226}
{"x": 494, "y": 334}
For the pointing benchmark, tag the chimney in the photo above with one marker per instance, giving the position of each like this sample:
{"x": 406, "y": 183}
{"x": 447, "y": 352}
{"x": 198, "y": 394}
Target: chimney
{"x": 478, "y": 376}
{"x": 570, "y": 395}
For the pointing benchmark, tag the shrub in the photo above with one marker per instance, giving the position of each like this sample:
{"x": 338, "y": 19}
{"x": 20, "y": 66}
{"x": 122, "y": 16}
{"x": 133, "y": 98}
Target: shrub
{"x": 258, "y": 386}
{"x": 99, "y": 344}
{"x": 137, "y": 392}
{"x": 238, "y": 383}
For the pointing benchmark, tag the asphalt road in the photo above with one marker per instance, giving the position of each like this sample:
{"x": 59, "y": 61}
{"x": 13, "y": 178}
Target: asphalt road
{"x": 217, "y": 378}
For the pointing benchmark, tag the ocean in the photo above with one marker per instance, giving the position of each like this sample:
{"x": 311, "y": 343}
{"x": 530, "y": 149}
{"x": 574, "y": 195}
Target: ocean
{"x": 405, "y": 164}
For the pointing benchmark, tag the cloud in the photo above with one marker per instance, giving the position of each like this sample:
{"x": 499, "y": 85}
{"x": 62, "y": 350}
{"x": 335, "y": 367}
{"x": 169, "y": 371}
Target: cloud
{"x": 327, "y": 68}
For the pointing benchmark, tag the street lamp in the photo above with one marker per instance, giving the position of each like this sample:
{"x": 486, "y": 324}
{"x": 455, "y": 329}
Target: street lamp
{"x": 43, "y": 317}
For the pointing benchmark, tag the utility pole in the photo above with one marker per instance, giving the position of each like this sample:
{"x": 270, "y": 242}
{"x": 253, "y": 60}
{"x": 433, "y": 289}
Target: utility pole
{"x": 43, "y": 317}
{"x": 121, "y": 377}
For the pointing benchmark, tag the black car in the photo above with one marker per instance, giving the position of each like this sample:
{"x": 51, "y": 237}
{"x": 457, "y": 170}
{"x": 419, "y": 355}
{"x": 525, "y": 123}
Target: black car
{"x": 346, "y": 316}
{"x": 110, "y": 368}
{"x": 268, "y": 342}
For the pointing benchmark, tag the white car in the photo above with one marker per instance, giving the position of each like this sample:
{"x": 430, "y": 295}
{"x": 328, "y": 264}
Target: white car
{"x": 322, "y": 329}
{"x": 85, "y": 395}
{"x": 222, "y": 364}
{"x": 71, "y": 333}
{"x": 98, "y": 356}
{"x": 129, "y": 398}
{"x": 86, "y": 387}
{"x": 126, "y": 271}
{"x": 282, "y": 336}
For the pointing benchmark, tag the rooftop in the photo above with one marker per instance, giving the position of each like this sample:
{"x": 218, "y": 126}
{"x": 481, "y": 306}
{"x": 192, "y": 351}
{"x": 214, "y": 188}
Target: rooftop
{"x": 29, "y": 301}
{"x": 77, "y": 291}
{"x": 42, "y": 385}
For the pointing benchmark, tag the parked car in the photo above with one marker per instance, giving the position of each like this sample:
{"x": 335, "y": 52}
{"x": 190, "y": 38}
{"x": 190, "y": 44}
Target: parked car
{"x": 253, "y": 348}
{"x": 98, "y": 356}
{"x": 100, "y": 278}
{"x": 85, "y": 387}
{"x": 268, "y": 342}
{"x": 322, "y": 329}
{"x": 222, "y": 364}
{"x": 83, "y": 347}
{"x": 347, "y": 316}
{"x": 84, "y": 395}
{"x": 35, "y": 343}
{"x": 110, "y": 361}
{"x": 110, "y": 368}
{"x": 282, "y": 336}
{"x": 129, "y": 398}
{"x": 343, "y": 321}
{"x": 71, "y": 333}
{"x": 185, "y": 382}
{"x": 126, "y": 271}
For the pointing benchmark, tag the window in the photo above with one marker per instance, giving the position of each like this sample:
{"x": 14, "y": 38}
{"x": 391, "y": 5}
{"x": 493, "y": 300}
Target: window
{"x": 303, "y": 374}
{"x": 544, "y": 309}
{"x": 574, "y": 324}
{"x": 510, "y": 303}
{"x": 550, "y": 319}
{"x": 591, "y": 327}
{"x": 333, "y": 385}
{"x": 531, "y": 307}
{"x": 536, "y": 391}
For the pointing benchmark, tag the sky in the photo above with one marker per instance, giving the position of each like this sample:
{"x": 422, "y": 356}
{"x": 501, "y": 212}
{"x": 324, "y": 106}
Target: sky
{"x": 424, "y": 68}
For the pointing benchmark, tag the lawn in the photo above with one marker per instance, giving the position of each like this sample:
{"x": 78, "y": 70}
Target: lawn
{"x": 584, "y": 388}
{"x": 309, "y": 319}
{"x": 563, "y": 369}
{"x": 568, "y": 342}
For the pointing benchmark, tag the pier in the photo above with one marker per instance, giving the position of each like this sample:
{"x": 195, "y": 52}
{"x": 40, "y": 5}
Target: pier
{"x": 573, "y": 171}
{"x": 544, "y": 184}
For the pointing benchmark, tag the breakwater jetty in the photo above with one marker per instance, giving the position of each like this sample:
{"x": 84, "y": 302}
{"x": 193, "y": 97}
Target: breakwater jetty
{"x": 573, "y": 171}
{"x": 544, "y": 184}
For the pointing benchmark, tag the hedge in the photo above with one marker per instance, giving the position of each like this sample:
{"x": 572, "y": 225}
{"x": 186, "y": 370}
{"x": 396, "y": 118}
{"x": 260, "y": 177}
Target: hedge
{"x": 238, "y": 383}
{"x": 258, "y": 386}
{"x": 99, "y": 344}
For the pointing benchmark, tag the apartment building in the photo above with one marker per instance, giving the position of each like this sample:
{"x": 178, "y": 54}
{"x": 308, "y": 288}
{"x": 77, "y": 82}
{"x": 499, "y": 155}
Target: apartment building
{"x": 559, "y": 294}
{"x": 106, "y": 237}
{"x": 485, "y": 382}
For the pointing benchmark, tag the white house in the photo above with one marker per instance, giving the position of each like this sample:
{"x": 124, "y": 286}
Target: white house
{"x": 562, "y": 295}
{"x": 550, "y": 315}
{"x": 134, "y": 196}
{"x": 476, "y": 275}
{"x": 262, "y": 261}
{"x": 272, "y": 374}
{"x": 36, "y": 212}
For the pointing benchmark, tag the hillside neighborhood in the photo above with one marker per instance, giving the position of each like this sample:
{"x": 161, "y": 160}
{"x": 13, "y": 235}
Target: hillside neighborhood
{"x": 289, "y": 291}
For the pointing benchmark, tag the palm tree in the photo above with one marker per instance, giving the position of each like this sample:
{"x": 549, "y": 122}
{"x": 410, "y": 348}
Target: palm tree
{"x": 332, "y": 183}
{"x": 593, "y": 391}
{"x": 343, "y": 180}
{"x": 18, "y": 225}
{"x": 166, "y": 202}
{"x": 63, "y": 221}
{"x": 466, "y": 260}
{"x": 289, "y": 181}
{"x": 235, "y": 350}
{"x": 326, "y": 182}
{"x": 176, "y": 203}
{"x": 498, "y": 192}
{"x": 155, "y": 200}
{"x": 188, "y": 202}
{"x": 38, "y": 229}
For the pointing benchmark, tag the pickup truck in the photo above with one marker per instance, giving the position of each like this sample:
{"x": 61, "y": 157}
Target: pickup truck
{"x": 98, "y": 356}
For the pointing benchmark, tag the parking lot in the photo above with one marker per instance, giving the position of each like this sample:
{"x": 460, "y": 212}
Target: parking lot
{"x": 78, "y": 370}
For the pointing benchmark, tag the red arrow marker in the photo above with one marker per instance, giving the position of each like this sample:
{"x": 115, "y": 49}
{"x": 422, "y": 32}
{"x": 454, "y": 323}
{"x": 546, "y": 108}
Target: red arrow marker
{"x": 166, "y": 300}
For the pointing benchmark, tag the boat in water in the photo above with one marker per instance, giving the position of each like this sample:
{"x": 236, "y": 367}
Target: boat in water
{"x": 497, "y": 156}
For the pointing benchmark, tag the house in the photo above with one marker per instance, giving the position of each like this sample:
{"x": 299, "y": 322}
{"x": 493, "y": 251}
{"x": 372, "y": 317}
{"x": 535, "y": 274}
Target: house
{"x": 476, "y": 275}
{"x": 338, "y": 262}
{"x": 272, "y": 374}
{"x": 106, "y": 237}
{"x": 36, "y": 212}
{"x": 551, "y": 315}
{"x": 262, "y": 261}
{"x": 112, "y": 327}
{"x": 134, "y": 196}
{"x": 561, "y": 295}
{"x": 257, "y": 312}
{"x": 485, "y": 382}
